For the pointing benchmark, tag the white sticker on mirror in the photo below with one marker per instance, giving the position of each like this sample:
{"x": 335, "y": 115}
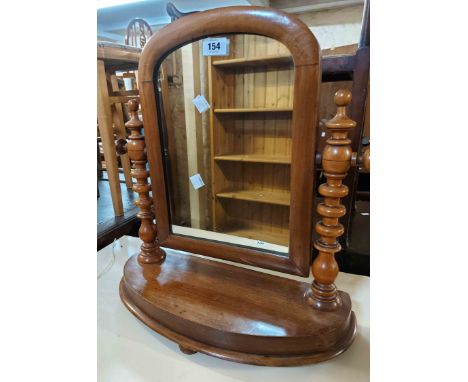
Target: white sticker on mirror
{"x": 201, "y": 103}
{"x": 218, "y": 46}
{"x": 197, "y": 181}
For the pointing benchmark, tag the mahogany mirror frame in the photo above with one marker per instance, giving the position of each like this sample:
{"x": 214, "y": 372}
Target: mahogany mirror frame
{"x": 305, "y": 51}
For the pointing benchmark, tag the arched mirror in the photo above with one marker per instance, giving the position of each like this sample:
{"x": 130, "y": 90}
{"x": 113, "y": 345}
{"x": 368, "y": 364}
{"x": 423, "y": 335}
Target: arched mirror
{"x": 230, "y": 116}
{"x": 226, "y": 121}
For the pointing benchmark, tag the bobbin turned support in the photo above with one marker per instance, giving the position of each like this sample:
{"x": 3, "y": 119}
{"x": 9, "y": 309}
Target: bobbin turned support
{"x": 336, "y": 161}
{"x": 150, "y": 252}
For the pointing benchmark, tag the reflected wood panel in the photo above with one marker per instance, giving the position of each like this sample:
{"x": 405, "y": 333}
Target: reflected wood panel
{"x": 243, "y": 151}
{"x": 251, "y": 98}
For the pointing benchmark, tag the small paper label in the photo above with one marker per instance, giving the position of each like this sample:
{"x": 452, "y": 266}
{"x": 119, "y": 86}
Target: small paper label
{"x": 201, "y": 103}
{"x": 197, "y": 181}
{"x": 216, "y": 46}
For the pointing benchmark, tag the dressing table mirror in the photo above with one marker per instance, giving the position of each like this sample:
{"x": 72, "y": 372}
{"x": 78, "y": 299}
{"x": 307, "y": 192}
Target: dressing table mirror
{"x": 225, "y": 171}
{"x": 228, "y": 158}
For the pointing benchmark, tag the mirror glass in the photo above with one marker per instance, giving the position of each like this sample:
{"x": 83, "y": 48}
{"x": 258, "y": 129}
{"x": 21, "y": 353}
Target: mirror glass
{"x": 226, "y": 107}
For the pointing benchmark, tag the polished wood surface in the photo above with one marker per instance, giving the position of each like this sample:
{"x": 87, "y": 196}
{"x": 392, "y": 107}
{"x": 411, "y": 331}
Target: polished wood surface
{"x": 336, "y": 161}
{"x": 150, "y": 250}
{"x": 305, "y": 51}
{"x": 234, "y": 313}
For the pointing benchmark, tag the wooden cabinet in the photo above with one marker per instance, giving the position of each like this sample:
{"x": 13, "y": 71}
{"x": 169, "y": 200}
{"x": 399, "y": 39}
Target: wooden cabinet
{"x": 251, "y": 98}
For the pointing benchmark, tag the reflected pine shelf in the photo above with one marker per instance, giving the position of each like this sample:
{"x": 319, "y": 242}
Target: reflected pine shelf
{"x": 254, "y": 110}
{"x": 255, "y": 158}
{"x": 260, "y": 196}
{"x": 254, "y": 61}
{"x": 279, "y": 238}
{"x": 251, "y": 118}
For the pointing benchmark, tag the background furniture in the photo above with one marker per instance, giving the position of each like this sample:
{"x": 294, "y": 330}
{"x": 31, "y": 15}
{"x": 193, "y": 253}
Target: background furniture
{"x": 128, "y": 351}
{"x": 112, "y": 57}
{"x": 138, "y": 32}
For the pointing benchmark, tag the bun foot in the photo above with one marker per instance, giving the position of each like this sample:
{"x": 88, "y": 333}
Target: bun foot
{"x": 186, "y": 350}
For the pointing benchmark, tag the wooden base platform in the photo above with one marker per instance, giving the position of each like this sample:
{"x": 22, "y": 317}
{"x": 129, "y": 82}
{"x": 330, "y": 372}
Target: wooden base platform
{"x": 234, "y": 313}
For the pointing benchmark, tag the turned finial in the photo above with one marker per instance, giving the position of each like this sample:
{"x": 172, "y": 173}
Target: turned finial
{"x": 133, "y": 105}
{"x": 342, "y": 97}
{"x": 336, "y": 161}
{"x": 150, "y": 250}
{"x": 341, "y": 121}
{"x": 134, "y": 121}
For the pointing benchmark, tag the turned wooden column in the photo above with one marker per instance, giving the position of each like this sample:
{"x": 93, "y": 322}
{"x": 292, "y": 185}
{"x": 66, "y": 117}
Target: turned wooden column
{"x": 336, "y": 161}
{"x": 150, "y": 250}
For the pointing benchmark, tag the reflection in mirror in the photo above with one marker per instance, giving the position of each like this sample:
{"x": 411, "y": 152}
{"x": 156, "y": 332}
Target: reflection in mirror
{"x": 227, "y": 109}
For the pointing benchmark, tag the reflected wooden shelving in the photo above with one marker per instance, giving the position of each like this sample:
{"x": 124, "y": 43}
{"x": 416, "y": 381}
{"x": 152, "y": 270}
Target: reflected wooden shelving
{"x": 268, "y": 237}
{"x": 251, "y": 118}
{"x": 254, "y": 110}
{"x": 259, "y": 196}
{"x": 254, "y": 61}
{"x": 255, "y": 158}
